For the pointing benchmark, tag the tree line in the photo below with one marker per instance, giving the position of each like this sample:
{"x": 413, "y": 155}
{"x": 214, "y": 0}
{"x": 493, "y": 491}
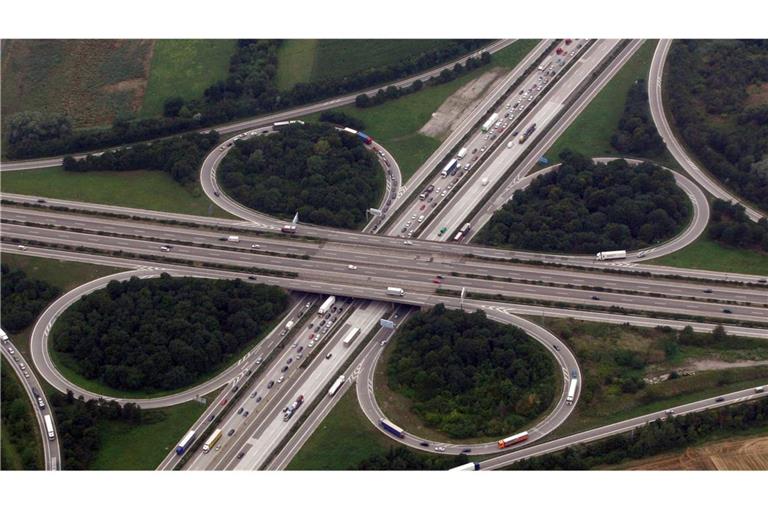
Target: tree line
{"x": 164, "y": 333}
{"x": 399, "y": 458}
{"x": 636, "y": 133}
{"x": 445, "y": 76}
{"x": 19, "y": 423}
{"x": 326, "y": 175}
{"x": 23, "y": 298}
{"x": 78, "y": 423}
{"x": 708, "y": 87}
{"x": 248, "y": 90}
{"x": 181, "y": 157}
{"x": 730, "y": 226}
{"x": 587, "y": 207}
{"x": 654, "y": 438}
{"x": 468, "y": 376}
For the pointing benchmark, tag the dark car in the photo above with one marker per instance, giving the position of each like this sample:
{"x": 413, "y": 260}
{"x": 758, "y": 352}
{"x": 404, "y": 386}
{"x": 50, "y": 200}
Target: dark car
{"x": 246, "y": 413}
{"x": 290, "y": 360}
{"x": 556, "y": 347}
{"x": 285, "y": 369}
{"x": 424, "y": 443}
{"x": 271, "y": 383}
{"x": 311, "y": 325}
{"x": 210, "y": 418}
{"x": 235, "y": 388}
{"x": 240, "y": 455}
{"x": 595, "y": 297}
{"x": 466, "y": 450}
{"x": 707, "y": 291}
{"x": 252, "y": 278}
{"x": 719, "y": 399}
{"x": 240, "y": 411}
{"x": 727, "y": 311}
{"x": 328, "y": 355}
{"x": 258, "y": 399}
{"x": 231, "y": 431}
{"x": 299, "y": 349}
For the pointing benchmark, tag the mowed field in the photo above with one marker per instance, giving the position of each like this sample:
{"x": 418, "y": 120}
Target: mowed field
{"x": 91, "y": 81}
{"x": 185, "y": 68}
{"x": 750, "y": 454}
{"x": 306, "y": 60}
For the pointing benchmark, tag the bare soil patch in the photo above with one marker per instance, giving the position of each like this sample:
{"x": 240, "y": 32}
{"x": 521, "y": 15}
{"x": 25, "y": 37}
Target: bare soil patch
{"x": 741, "y": 455}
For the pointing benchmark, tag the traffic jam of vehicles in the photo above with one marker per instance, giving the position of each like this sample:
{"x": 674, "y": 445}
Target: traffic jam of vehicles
{"x": 495, "y": 128}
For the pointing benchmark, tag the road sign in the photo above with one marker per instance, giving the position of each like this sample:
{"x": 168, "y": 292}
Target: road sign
{"x": 387, "y": 324}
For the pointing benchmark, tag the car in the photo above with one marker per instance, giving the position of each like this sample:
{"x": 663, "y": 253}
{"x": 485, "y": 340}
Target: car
{"x": 41, "y": 201}
{"x": 436, "y": 281}
{"x": 726, "y": 310}
{"x": 423, "y": 206}
{"x": 252, "y": 278}
{"x": 439, "y": 276}
{"x": 439, "y": 448}
{"x": 231, "y": 431}
{"x": 408, "y": 242}
{"x": 26, "y": 375}
{"x": 165, "y": 248}
{"x": 762, "y": 281}
{"x": 466, "y": 450}
{"x": 258, "y": 360}
{"x": 322, "y": 323}
{"x": 299, "y": 349}
{"x": 595, "y": 297}
{"x": 317, "y": 329}
{"x": 271, "y": 383}
{"x": 240, "y": 455}
{"x": 424, "y": 443}
{"x": 413, "y": 217}
{"x": 556, "y": 347}
{"x": 280, "y": 379}
{"x": 258, "y": 399}
{"x": 290, "y": 360}
{"x": 329, "y": 355}
{"x": 284, "y": 369}
{"x": 235, "y": 388}
{"x": 245, "y": 413}
{"x": 311, "y": 344}
{"x": 707, "y": 291}
{"x": 719, "y": 399}
{"x": 223, "y": 402}
{"x": 312, "y": 335}
{"x": 22, "y": 366}
{"x": 21, "y": 247}
{"x": 253, "y": 395}
{"x": 240, "y": 411}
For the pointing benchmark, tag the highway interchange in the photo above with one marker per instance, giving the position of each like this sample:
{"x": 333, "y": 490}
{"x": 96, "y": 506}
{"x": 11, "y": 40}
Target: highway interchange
{"x": 386, "y": 261}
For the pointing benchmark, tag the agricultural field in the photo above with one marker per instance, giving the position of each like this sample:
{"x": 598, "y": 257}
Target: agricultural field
{"x": 307, "y": 60}
{"x": 90, "y": 80}
{"x": 184, "y": 68}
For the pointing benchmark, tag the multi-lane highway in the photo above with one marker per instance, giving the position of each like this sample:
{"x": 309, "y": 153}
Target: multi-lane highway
{"x": 33, "y": 389}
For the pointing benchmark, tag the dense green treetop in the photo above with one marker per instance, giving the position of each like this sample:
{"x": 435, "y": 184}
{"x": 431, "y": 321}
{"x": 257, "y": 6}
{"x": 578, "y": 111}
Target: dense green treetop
{"x": 23, "y": 298}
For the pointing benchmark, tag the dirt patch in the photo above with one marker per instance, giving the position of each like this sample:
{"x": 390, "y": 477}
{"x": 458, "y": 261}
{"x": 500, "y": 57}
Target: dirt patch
{"x": 714, "y": 364}
{"x": 758, "y": 95}
{"x": 453, "y": 109}
{"x": 741, "y": 455}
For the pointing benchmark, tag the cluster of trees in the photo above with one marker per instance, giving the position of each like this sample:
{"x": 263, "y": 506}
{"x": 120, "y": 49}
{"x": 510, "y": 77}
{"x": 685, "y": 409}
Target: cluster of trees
{"x": 23, "y": 298}
{"x": 399, "y": 458}
{"x": 708, "y": 97}
{"x": 342, "y": 119}
{"x": 657, "y": 437}
{"x": 446, "y": 75}
{"x": 150, "y": 334}
{"x": 19, "y": 424}
{"x": 77, "y": 423}
{"x": 468, "y": 376}
{"x": 730, "y": 226}
{"x": 636, "y": 133}
{"x": 328, "y": 176}
{"x": 181, "y": 157}
{"x": 248, "y": 90}
{"x": 584, "y": 207}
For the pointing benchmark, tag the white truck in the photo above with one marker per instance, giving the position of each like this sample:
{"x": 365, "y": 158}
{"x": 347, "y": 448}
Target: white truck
{"x": 462, "y": 153}
{"x": 448, "y": 167}
{"x": 235, "y": 239}
{"x": 572, "y": 391}
{"x": 489, "y": 122}
{"x": 336, "y": 385}
{"x": 353, "y": 332}
{"x": 397, "y": 292}
{"x": 484, "y": 181}
{"x": 326, "y": 305}
{"x": 611, "y": 255}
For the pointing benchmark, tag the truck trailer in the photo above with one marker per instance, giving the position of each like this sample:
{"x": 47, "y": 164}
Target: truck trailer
{"x": 336, "y": 385}
{"x": 350, "y": 336}
{"x": 185, "y": 442}
{"x": 232, "y": 238}
{"x": 571, "y": 391}
{"x": 392, "y": 428}
{"x": 212, "y": 440}
{"x": 462, "y": 153}
{"x": 449, "y": 167}
{"x": 397, "y": 292}
{"x": 517, "y": 438}
{"x": 469, "y": 466}
{"x": 326, "y": 305}
{"x": 611, "y": 255}
{"x": 489, "y": 122}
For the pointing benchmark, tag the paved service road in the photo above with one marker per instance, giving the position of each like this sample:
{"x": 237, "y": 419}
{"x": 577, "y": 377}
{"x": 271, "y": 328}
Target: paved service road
{"x": 702, "y": 177}
{"x": 263, "y": 121}
{"x": 51, "y": 449}
{"x": 615, "y": 428}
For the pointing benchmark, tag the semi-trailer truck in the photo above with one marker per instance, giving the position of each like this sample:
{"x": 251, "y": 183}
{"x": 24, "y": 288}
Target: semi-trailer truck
{"x": 350, "y": 336}
{"x": 336, "y": 385}
{"x": 611, "y": 255}
{"x": 449, "y": 167}
{"x": 398, "y": 292}
{"x": 391, "y": 428}
{"x": 572, "y": 391}
{"x": 49, "y": 427}
{"x": 469, "y": 466}
{"x": 366, "y": 139}
{"x": 462, "y": 153}
{"x": 212, "y": 440}
{"x": 489, "y": 122}
{"x": 517, "y": 438}
{"x": 326, "y": 305}
{"x": 185, "y": 442}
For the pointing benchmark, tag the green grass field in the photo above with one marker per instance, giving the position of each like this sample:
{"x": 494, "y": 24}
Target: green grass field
{"x": 307, "y": 60}
{"x": 151, "y": 190}
{"x": 510, "y": 56}
{"x": 396, "y": 123}
{"x": 590, "y": 134}
{"x": 343, "y": 440}
{"x": 143, "y": 447}
{"x": 706, "y": 254}
{"x": 184, "y": 68}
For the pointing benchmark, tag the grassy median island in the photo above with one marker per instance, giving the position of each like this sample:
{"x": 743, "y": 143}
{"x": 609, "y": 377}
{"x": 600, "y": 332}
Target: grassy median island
{"x": 585, "y": 208}
{"x": 21, "y": 444}
{"x": 629, "y": 371}
{"x": 148, "y": 337}
{"x": 327, "y": 176}
{"x": 457, "y": 376}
